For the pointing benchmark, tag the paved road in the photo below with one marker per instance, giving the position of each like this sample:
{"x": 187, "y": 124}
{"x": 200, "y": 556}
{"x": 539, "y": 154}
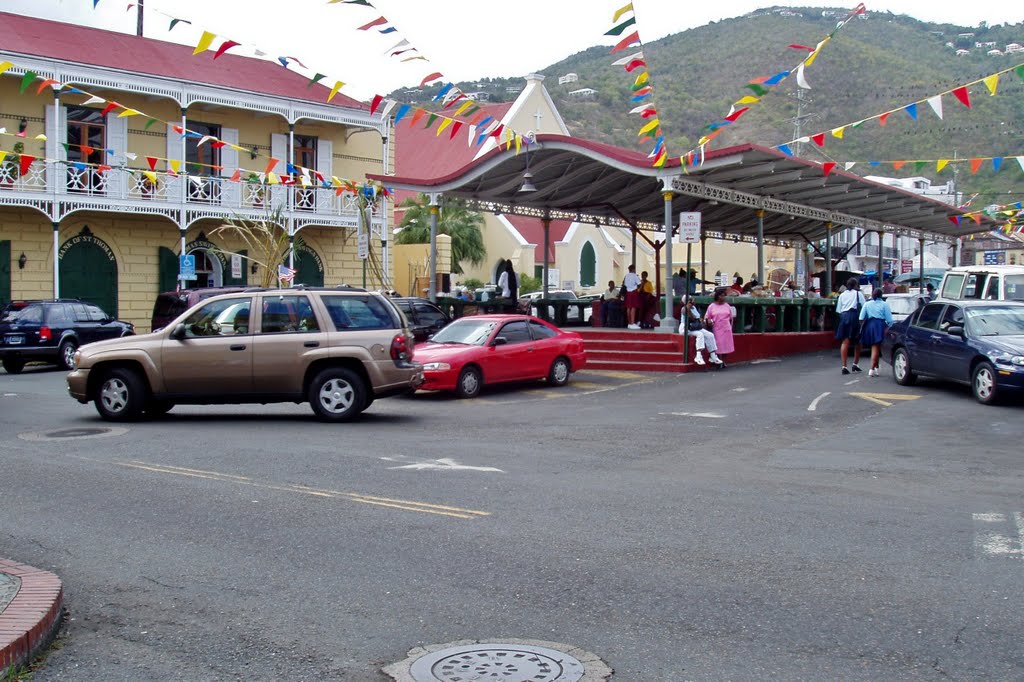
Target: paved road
{"x": 705, "y": 527}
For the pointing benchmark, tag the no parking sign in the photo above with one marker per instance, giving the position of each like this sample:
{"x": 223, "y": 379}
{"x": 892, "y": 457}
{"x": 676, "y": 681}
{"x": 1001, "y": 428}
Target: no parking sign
{"x": 689, "y": 228}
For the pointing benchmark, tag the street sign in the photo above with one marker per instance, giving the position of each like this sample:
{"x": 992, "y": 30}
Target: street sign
{"x": 689, "y": 228}
{"x": 236, "y": 266}
{"x": 363, "y": 246}
{"x": 995, "y": 257}
{"x": 187, "y": 267}
{"x": 906, "y": 265}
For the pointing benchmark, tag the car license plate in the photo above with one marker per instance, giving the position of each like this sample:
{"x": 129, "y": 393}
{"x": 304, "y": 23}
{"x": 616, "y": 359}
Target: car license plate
{"x": 14, "y": 339}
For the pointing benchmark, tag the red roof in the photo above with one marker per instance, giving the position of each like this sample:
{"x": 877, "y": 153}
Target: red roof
{"x": 132, "y": 54}
{"x": 421, "y": 153}
{"x": 532, "y": 230}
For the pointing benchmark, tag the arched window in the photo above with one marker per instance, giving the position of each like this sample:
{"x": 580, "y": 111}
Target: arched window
{"x": 588, "y": 265}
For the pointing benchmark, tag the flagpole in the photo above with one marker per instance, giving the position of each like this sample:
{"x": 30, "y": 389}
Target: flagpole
{"x": 139, "y": 21}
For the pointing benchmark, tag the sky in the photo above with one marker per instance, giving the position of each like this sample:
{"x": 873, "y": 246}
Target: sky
{"x": 463, "y": 39}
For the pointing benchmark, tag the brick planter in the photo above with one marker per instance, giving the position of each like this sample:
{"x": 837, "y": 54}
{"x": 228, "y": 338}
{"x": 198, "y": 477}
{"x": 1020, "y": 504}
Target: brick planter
{"x": 30, "y": 621}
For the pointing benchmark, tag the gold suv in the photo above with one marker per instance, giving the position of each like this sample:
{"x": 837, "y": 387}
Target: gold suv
{"x": 338, "y": 349}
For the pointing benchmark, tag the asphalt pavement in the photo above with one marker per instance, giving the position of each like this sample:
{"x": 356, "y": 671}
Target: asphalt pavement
{"x": 770, "y": 521}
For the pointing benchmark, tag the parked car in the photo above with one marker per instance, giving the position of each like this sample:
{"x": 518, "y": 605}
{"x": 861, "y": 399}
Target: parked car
{"x": 338, "y": 349}
{"x": 424, "y": 317}
{"x": 902, "y": 305}
{"x": 527, "y": 306}
{"x": 51, "y": 331}
{"x": 985, "y": 282}
{"x": 170, "y": 304}
{"x": 490, "y": 349}
{"x": 979, "y": 343}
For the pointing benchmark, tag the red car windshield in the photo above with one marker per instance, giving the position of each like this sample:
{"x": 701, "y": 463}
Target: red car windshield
{"x": 466, "y": 331}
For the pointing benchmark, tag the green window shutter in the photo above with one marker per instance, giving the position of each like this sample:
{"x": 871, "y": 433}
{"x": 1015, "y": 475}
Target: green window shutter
{"x": 588, "y": 265}
{"x": 5, "y": 272}
{"x": 167, "y": 279}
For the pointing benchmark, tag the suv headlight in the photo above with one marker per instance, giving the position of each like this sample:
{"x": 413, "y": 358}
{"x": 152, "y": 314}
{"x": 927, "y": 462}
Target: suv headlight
{"x": 78, "y": 358}
{"x": 436, "y": 366}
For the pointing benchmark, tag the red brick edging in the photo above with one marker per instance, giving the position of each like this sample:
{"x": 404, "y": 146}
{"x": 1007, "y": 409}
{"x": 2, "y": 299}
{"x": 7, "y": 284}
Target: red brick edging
{"x": 30, "y": 621}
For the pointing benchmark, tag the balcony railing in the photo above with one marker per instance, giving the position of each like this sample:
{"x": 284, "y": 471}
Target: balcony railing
{"x": 135, "y": 185}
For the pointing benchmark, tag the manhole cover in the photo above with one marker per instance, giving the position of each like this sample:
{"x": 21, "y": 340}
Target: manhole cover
{"x": 511, "y": 661}
{"x": 80, "y": 432}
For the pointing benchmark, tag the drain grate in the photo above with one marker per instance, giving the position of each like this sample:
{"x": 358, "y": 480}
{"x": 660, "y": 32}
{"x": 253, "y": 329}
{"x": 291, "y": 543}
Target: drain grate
{"x": 497, "y": 661}
{"x": 76, "y": 433}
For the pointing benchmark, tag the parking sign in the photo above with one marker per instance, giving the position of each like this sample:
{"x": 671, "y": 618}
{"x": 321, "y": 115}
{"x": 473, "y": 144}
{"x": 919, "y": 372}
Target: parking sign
{"x": 689, "y": 228}
{"x": 187, "y": 267}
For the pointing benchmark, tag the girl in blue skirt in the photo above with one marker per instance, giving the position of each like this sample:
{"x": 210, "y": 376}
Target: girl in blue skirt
{"x": 876, "y": 317}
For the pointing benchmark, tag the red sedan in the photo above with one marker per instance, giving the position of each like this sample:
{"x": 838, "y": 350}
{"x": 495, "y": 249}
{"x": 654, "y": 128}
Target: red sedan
{"x": 472, "y": 351}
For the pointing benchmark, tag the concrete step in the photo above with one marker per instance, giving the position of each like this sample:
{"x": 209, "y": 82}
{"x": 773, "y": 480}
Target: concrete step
{"x": 635, "y": 356}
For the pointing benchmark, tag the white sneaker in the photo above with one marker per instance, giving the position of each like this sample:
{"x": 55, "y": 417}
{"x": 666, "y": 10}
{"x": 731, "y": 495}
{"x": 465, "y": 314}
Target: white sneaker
{"x": 872, "y": 372}
{"x": 633, "y": 326}
{"x": 715, "y": 359}
{"x": 699, "y": 359}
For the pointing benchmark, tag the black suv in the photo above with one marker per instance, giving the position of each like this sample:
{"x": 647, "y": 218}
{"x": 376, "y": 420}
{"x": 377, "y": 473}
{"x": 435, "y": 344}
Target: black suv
{"x": 424, "y": 317}
{"x": 51, "y": 331}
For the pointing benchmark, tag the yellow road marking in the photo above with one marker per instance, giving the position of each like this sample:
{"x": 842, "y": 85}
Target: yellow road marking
{"x": 615, "y": 374}
{"x": 406, "y": 505}
{"x": 884, "y": 399}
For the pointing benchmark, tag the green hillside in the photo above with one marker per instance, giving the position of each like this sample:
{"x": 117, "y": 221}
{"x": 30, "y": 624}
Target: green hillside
{"x": 881, "y": 62}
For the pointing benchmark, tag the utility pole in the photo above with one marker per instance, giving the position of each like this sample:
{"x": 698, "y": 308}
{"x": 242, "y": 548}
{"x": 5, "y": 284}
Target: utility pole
{"x": 138, "y": 23}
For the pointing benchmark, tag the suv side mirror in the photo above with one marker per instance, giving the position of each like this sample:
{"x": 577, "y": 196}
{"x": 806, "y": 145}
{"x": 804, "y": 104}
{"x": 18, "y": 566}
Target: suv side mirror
{"x": 178, "y": 333}
{"x": 955, "y": 330}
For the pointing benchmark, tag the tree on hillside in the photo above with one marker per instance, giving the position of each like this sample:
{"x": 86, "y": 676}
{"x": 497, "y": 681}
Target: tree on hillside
{"x": 465, "y": 227}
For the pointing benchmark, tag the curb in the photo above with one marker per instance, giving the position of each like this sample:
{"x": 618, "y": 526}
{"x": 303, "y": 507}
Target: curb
{"x": 29, "y": 623}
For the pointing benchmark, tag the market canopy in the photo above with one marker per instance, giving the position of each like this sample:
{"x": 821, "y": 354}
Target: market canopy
{"x": 589, "y": 181}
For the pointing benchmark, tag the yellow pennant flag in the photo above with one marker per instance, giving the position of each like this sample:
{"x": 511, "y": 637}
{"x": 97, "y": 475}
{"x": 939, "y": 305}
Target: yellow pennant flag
{"x": 817, "y": 49}
{"x": 272, "y": 179}
{"x": 749, "y": 99}
{"x": 465, "y": 105}
{"x": 150, "y": 175}
{"x": 642, "y": 78}
{"x": 445, "y": 122}
{"x": 41, "y": 137}
{"x": 838, "y": 132}
{"x": 3, "y": 155}
{"x": 941, "y": 164}
{"x": 338, "y": 85}
{"x": 204, "y": 42}
{"x": 991, "y": 82}
{"x": 622, "y": 10}
{"x": 4, "y": 66}
{"x": 175, "y": 165}
{"x": 128, "y": 112}
{"x": 654, "y": 123}
{"x": 519, "y": 143}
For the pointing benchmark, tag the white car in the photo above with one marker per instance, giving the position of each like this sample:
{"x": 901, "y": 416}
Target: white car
{"x": 573, "y": 313}
{"x": 902, "y": 305}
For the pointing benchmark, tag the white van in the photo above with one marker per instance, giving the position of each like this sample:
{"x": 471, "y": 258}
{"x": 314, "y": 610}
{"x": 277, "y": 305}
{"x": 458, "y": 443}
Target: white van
{"x": 987, "y": 282}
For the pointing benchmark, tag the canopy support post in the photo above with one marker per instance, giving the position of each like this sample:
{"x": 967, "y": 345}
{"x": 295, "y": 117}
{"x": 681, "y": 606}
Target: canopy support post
{"x": 760, "y": 246}
{"x": 827, "y": 289}
{"x": 668, "y": 323}
{"x": 435, "y": 209}
{"x": 546, "y": 220}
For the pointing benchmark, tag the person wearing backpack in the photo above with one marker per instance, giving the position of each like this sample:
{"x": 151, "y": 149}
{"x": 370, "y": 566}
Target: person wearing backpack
{"x": 848, "y": 331}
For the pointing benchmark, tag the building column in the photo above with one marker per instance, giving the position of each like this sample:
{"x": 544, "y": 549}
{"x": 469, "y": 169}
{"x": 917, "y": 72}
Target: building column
{"x": 668, "y": 323}
{"x": 291, "y": 165}
{"x": 435, "y": 210}
{"x": 546, "y": 221}
{"x": 760, "y": 246}
{"x": 56, "y": 260}
{"x": 920, "y": 282}
{"x": 826, "y": 290}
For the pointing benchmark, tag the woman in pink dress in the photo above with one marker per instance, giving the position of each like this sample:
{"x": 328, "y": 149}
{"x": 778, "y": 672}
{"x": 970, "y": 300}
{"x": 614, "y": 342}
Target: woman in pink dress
{"x": 719, "y": 314}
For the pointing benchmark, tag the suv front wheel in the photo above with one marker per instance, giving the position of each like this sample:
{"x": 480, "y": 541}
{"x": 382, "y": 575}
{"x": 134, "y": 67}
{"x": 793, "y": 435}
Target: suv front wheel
{"x": 120, "y": 395}
{"x": 337, "y": 395}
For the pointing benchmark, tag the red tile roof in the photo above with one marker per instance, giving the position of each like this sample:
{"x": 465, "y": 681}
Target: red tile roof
{"x": 421, "y": 152}
{"x": 132, "y": 54}
{"x": 532, "y": 230}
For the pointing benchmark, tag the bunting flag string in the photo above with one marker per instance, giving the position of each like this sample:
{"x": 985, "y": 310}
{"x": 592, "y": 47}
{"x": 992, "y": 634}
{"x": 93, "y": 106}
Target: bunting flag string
{"x": 762, "y": 86}
{"x": 960, "y": 92}
{"x": 642, "y": 88}
{"x": 975, "y": 162}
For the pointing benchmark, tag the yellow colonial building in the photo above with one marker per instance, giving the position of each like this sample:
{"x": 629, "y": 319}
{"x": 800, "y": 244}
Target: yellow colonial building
{"x": 121, "y": 153}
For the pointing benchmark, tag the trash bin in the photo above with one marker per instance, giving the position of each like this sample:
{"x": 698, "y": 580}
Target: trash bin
{"x": 595, "y": 312}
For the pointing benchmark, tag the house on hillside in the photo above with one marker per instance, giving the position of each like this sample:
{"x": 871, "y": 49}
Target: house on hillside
{"x": 962, "y": 53}
{"x": 583, "y": 93}
{"x": 149, "y": 149}
{"x": 1014, "y": 47}
{"x": 568, "y": 78}
{"x": 994, "y": 53}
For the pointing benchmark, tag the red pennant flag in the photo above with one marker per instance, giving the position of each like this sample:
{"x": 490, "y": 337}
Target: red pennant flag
{"x": 883, "y": 118}
{"x": 455, "y": 128}
{"x": 457, "y": 98}
{"x": 86, "y": 150}
{"x": 432, "y": 77}
{"x": 237, "y": 175}
{"x": 633, "y": 37}
{"x": 227, "y": 45}
{"x": 736, "y": 114}
{"x": 218, "y": 144}
{"x": 801, "y": 47}
{"x": 497, "y": 131}
{"x": 962, "y": 95}
{"x": 955, "y": 219}
{"x": 26, "y": 161}
{"x": 819, "y": 139}
{"x": 151, "y": 160}
{"x": 270, "y": 167}
{"x": 898, "y": 164}
{"x": 377, "y": 99}
{"x": 479, "y": 117}
{"x": 110, "y": 107}
{"x": 647, "y": 113}
{"x": 102, "y": 169}
{"x": 42, "y": 86}
{"x": 975, "y": 165}
{"x": 828, "y": 167}
{"x": 376, "y": 22}
{"x": 636, "y": 63}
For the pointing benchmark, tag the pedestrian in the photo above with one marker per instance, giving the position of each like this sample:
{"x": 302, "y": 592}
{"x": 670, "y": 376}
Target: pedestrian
{"x": 679, "y": 283}
{"x": 647, "y": 302}
{"x": 737, "y": 285}
{"x": 720, "y": 314}
{"x": 848, "y": 330}
{"x": 632, "y": 284}
{"x": 876, "y": 317}
{"x": 693, "y": 324}
{"x": 930, "y": 292}
{"x": 508, "y": 283}
{"x": 611, "y": 306}
{"x": 889, "y": 287}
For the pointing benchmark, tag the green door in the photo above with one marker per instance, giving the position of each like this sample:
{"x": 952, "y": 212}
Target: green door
{"x": 309, "y": 270}
{"x": 167, "y": 279}
{"x": 88, "y": 271}
{"x": 5, "y": 272}
{"x": 588, "y": 265}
